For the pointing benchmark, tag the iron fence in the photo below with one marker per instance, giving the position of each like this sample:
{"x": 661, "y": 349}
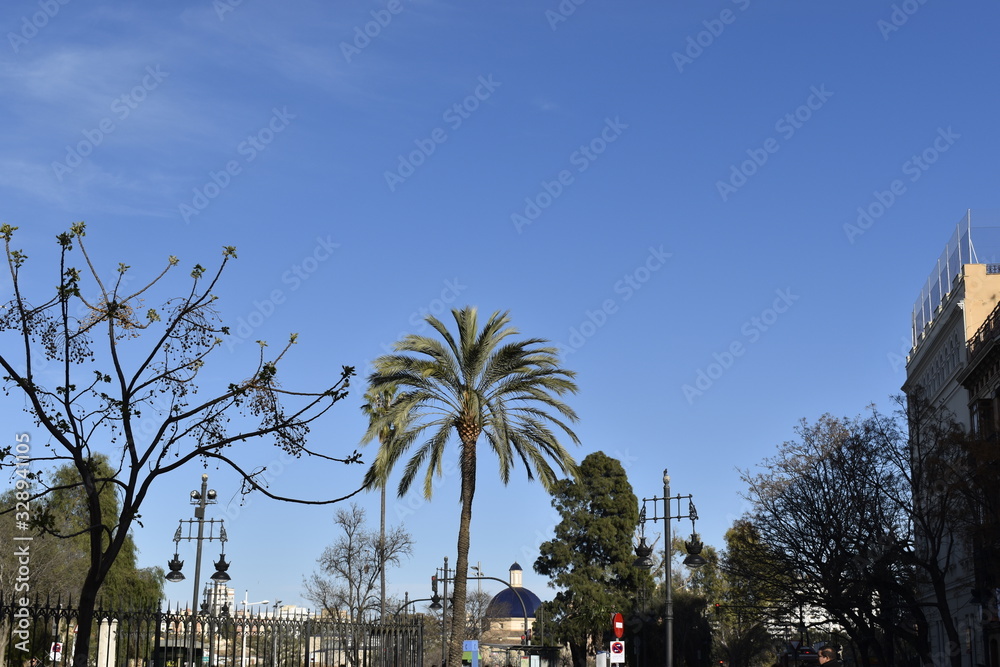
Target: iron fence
{"x": 43, "y": 634}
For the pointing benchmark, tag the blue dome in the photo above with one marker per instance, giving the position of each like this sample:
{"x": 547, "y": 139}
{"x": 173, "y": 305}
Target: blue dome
{"x": 506, "y": 603}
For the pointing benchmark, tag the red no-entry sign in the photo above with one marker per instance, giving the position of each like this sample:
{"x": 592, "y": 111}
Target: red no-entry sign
{"x": 618, "y": 625}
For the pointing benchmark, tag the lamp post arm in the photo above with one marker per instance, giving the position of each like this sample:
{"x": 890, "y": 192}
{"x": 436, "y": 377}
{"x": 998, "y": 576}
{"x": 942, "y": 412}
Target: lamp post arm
{"x": 409, "y": 602}
{"x": 524, "y": 607}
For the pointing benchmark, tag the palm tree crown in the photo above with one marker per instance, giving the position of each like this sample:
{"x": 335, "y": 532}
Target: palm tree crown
{"x": 478, "y": 383}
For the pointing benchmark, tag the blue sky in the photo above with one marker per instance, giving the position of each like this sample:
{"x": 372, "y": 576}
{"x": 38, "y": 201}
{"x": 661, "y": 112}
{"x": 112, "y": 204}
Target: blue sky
{"x": 723, "y": 211}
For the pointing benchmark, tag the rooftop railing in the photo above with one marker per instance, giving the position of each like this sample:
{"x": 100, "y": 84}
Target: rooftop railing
{"x": 969, "y": 244}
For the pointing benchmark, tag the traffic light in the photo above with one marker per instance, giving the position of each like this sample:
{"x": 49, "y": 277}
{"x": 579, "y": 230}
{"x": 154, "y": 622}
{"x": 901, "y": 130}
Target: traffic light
{"x": 434, "y": 584}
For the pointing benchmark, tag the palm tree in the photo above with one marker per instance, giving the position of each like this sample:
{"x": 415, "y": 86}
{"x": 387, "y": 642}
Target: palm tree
{"x": 477, "y": 383}
{"x": 377, "y": 404}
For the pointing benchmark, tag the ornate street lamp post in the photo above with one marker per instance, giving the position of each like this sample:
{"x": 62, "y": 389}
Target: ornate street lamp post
{"x": 199, "y": 499}
{"x": 442, "y": 604}
{"x": 644, "y": 552}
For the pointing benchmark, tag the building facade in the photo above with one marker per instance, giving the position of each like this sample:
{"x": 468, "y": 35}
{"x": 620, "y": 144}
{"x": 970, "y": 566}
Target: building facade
{"x": 954, "y": 368}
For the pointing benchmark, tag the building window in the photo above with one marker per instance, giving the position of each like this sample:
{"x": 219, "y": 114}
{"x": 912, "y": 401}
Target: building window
{"x": 983, "y": 420}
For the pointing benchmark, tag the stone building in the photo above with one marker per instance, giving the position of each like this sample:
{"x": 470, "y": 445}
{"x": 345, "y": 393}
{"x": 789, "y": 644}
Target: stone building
{"x": 955, "y": 366}
{"x": 511, "y": 612}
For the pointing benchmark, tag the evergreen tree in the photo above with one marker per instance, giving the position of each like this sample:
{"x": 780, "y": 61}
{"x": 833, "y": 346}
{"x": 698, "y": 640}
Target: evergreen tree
{"x": 60, "y": 554}
{"x": 590, "y": 560}
{"x": 66, "y": 514}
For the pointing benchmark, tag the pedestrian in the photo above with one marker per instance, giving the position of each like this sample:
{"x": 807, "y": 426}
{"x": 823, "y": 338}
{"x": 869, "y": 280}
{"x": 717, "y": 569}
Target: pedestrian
{"x": 828, "y": 657}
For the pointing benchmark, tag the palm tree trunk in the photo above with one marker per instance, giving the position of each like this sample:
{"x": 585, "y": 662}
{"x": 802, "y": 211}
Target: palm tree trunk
{"x": 381, "y": 566}
{"x": 381, "y": 558}
{"x": 468, "y": 469}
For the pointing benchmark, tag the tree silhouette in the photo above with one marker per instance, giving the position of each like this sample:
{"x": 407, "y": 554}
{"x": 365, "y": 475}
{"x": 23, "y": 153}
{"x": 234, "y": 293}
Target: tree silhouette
{"x": 100, "y": 371}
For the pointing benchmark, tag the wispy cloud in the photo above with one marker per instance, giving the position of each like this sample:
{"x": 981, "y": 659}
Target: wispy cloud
{"x": 32, "y": 179}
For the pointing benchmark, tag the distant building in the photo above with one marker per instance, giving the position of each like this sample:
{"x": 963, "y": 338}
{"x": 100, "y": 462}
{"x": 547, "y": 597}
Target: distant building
{"x": 218, "y": 597}
{"x": 511, "y": 612}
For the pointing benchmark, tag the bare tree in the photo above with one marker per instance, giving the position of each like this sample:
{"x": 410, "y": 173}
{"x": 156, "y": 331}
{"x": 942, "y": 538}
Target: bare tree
{"x": 929, "y": 450}
{"x": 873, "y": 516}
{"x": 347, "y": 585}
{"x": 832, "y": 513}
{"x": 476, "y": 622}
{"x": 100, "y": 370}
